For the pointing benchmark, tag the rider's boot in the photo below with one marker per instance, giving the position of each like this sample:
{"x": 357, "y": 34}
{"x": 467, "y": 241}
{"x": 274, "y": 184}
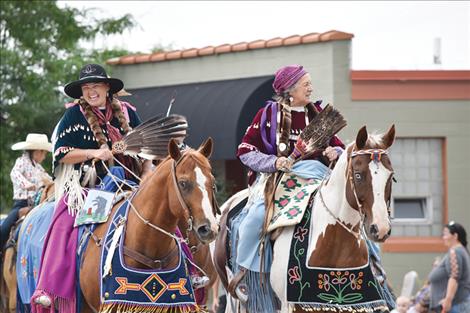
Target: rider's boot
{"x": 242, "y": 292}
{"x": 199, "y": 281}
{"x": 239, "y": 288}
{"x": 43, "y": 300}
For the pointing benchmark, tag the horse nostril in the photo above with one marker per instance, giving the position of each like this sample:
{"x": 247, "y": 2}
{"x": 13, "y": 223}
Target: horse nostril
{"x": 389, "y": 231}
{"x": 203, "y": 231}
{"x": 374, "y": 229}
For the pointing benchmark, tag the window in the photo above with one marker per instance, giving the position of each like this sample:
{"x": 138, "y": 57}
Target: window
{"x": 413, "y": 209}
{"x": 418, "y": 195}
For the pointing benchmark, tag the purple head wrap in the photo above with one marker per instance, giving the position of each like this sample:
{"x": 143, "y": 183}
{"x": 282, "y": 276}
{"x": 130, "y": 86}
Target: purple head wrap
{"x": 286, "y": 77}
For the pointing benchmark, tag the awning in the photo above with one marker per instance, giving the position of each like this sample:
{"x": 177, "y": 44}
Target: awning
{"x": 219, "y": 109}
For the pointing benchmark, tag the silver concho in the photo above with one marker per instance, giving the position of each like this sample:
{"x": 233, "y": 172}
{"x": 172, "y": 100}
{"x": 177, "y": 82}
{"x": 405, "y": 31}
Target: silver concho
{"x": 282, "y": 146}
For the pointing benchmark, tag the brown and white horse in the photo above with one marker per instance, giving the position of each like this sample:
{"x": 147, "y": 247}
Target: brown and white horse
{"x": 180, "y": 188}
{"x": 356, "y": 194}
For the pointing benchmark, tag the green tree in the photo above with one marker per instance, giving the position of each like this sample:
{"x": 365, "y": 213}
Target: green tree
{"x": 40, "y": 51}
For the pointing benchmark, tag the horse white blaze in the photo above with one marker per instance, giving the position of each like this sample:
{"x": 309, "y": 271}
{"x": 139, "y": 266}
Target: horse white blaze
{"x": 380, "y": 175}
{"x": 201, "y": 180}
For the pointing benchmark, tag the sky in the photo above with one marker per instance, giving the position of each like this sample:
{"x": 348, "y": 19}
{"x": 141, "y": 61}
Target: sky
{"x": 388, "y": 35}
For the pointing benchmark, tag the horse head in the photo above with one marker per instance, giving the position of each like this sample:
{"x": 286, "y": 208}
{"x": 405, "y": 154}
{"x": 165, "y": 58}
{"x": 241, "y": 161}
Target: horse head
{"x": 369, "y": 181}
{"x": 193, "y": 189}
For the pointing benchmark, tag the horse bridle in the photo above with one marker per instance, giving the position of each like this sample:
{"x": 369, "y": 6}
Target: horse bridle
{"x": 146, "y": 260}
{"x": 183, "y": 204}
{"x": 376, "y": 156}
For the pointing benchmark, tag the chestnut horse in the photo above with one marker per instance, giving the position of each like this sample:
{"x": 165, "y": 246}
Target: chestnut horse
{"x": 181, "y": 188}
{"x": 9, "y": 255}
{"x": 355, "y": 196}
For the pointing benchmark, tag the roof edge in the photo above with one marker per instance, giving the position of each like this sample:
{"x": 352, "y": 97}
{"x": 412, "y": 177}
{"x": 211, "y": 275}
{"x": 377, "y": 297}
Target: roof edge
{"x": 332, "y": 35}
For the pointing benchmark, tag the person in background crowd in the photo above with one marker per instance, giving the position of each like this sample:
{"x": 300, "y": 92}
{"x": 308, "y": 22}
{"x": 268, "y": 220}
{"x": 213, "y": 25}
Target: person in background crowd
{"x": 27, "y": 177}
{"x": 403, "y": 304}
{"x": 450, "y": 280}
{"x": 219, "y": 301}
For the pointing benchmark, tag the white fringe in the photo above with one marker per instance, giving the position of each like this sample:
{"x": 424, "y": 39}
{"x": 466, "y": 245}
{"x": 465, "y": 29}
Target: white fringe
{"x": 68, "y": 183}
{"x": 112, "y": 248}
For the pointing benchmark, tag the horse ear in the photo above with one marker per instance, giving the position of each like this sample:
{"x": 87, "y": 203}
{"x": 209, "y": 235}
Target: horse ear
{"x": 206, "y": 148}
{"x": 389, "y": 137}
{"x": 361, "y": 138}
{"x": 174, "y": 150}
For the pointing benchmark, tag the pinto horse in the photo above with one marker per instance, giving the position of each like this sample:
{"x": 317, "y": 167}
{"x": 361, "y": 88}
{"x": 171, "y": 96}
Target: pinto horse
{"x": 181, "y": 188}
{"x": 355, "y": 197}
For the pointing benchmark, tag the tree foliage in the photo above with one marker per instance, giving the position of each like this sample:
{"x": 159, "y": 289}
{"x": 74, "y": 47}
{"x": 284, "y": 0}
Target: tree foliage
{"x": 40, "y": 52}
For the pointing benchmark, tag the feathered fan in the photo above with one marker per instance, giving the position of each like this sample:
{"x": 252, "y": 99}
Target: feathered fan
{"x": 150, "y": 139}
{"x": 318, "y": 132}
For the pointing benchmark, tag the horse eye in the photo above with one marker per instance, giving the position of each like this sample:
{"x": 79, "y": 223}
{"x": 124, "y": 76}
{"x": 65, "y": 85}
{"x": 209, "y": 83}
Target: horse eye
{"x": 183, "y": 184}
{"x": 358, "y": 176}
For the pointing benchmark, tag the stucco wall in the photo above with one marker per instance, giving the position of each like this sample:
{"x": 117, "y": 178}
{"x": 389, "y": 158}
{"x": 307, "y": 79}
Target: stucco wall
{"x": 315, "y": 57}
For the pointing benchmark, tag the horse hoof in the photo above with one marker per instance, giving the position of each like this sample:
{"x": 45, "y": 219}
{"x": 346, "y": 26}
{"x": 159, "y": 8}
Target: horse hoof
{"x": 242, "y": 293}
{"x": 43, "y": 300}
{"x": 200, "y": 282}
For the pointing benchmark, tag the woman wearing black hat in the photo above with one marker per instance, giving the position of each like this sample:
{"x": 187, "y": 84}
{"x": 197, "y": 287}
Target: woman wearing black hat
{"x": 85, "y": 133}
{"x": 86, "y": 130}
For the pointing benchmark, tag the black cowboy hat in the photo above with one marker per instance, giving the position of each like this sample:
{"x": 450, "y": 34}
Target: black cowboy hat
{"x": 92, "y": 73}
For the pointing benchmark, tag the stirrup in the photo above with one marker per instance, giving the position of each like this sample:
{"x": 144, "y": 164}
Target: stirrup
{"x": 199, "y": 281}
{"x": 43, "y": 300}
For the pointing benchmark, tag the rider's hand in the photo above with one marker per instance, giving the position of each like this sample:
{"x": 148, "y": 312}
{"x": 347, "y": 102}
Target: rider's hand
{"x": 283, "y": 164}
{"x": 31, "y": 188}
{"x": 102, "y": 154}
{"x": 331, "y": 153}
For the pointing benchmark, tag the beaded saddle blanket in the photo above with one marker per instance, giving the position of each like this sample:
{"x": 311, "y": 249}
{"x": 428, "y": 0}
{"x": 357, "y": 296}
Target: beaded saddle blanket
{"x": 332, "y": 289}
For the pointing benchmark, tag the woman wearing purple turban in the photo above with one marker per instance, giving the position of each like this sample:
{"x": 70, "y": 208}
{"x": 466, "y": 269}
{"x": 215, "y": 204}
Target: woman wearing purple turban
{"x": 265, "y": 148}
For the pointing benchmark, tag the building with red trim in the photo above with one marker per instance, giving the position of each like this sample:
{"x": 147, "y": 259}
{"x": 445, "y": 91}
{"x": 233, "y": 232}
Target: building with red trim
{"x": 221, "y": 87}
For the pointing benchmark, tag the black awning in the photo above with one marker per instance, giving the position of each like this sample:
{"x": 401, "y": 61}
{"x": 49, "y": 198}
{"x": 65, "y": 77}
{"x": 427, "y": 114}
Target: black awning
{"x": 220, "y": 109}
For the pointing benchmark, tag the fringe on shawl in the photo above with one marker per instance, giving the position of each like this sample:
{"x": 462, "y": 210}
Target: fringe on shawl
{"x": 68, "y": 183}
{"x": 59, "y": 304}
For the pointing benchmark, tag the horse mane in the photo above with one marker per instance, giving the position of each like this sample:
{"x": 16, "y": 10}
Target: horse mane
{"x": 374, "y": 141}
